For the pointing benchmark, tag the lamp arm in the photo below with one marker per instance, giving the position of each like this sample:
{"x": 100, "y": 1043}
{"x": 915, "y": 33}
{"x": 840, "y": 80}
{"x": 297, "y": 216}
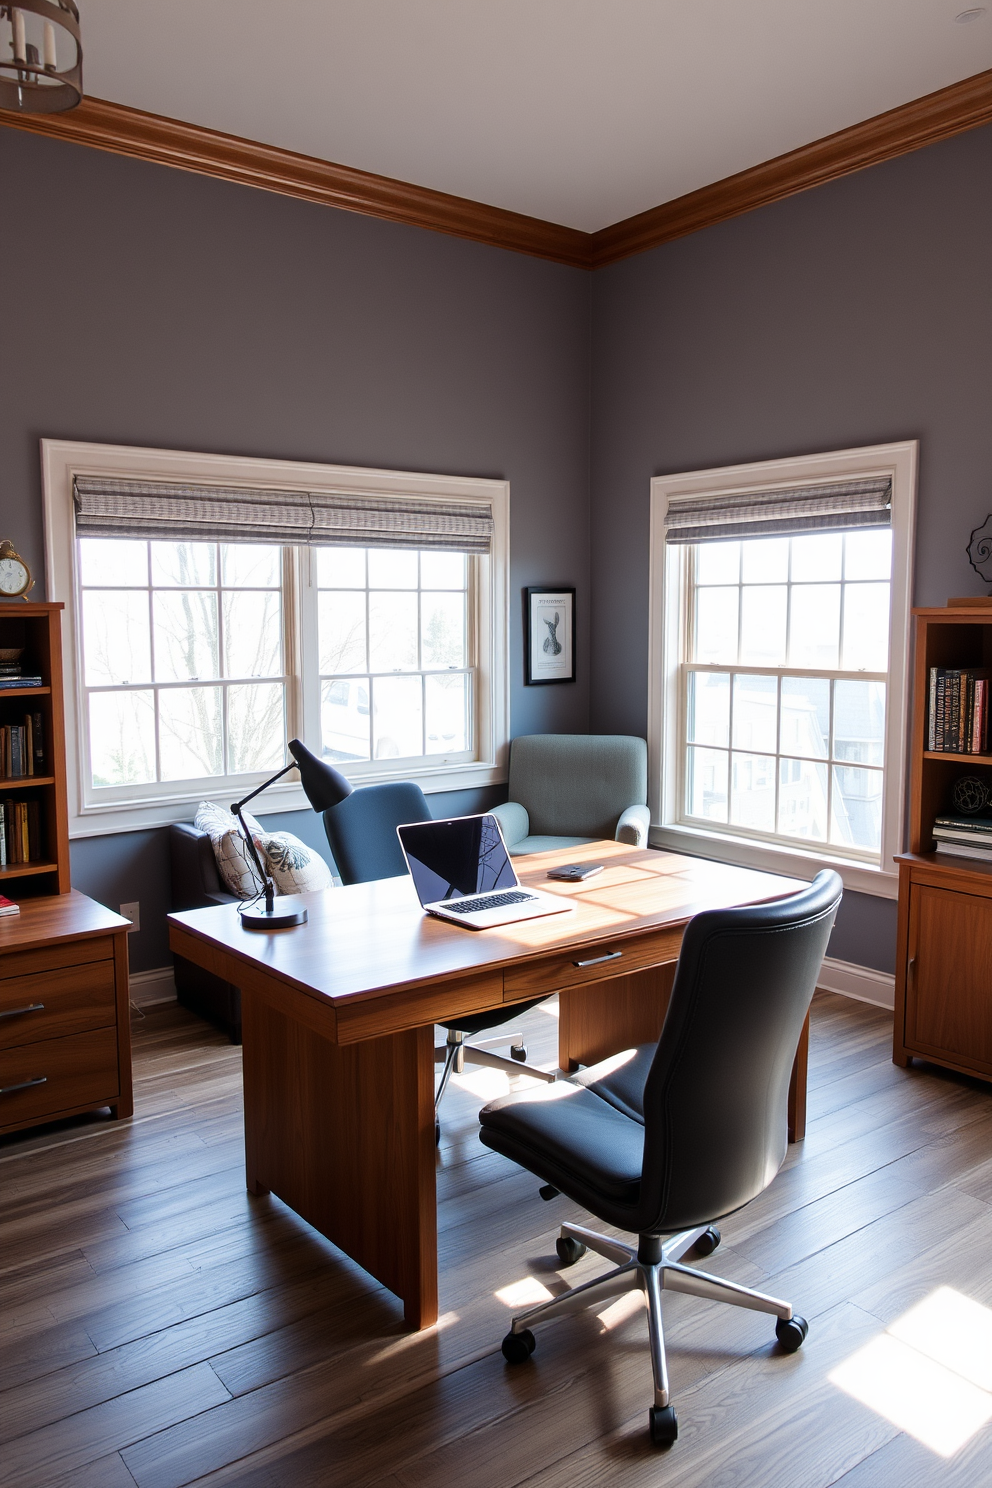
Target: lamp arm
{"x": 236, "y": 808}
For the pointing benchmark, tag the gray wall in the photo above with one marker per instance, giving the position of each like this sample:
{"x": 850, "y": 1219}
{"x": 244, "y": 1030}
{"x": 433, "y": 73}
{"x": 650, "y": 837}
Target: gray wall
{"x": 855, "y": 314}
{"x": 147, "y": 306}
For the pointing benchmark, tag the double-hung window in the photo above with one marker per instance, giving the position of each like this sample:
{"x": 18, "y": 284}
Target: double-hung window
{"x": 779, "y": 625}
{"x": 216, "y": 608}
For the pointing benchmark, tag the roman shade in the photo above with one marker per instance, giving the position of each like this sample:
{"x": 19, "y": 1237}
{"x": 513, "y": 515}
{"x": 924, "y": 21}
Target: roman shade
{"x": 780, "y": 513}
{"x": 108, "y": 507}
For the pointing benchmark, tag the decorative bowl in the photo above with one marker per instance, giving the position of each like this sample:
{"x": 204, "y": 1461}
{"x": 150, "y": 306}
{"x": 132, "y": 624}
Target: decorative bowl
{"x": 11, "y": 653}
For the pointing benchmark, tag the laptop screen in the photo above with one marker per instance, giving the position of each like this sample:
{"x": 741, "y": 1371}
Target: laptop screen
{"x": 452, "y": 859}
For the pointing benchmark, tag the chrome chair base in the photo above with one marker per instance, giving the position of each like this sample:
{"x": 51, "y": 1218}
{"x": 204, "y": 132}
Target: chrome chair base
{"x": 655, "y": 1266}
{"x": 455, "y": 1053}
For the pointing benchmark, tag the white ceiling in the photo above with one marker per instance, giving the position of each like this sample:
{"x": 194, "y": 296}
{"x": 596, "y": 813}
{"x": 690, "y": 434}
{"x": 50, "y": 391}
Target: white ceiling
{"x": 580, "y": 111}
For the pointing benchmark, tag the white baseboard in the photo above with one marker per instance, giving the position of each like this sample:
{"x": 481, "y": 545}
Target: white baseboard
{"x": 146, "y": 988}
{"x": 861, "y": 982}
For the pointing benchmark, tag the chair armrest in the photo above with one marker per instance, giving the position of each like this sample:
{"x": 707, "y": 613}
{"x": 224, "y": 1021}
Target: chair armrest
{"x": 513, "y": 820}
{"x": 633, "y": 826}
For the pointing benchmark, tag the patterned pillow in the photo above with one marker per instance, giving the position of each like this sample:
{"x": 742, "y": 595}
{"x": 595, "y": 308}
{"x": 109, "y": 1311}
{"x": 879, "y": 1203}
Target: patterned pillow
{"x": 295, "y": 868}
{"x": 237, "y": 872}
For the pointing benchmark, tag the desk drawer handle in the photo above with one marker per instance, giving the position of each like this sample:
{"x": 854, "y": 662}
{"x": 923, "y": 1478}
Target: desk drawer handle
{"x": 24, "y": 1085}
{"x": 32, "y": 1007}
{"x": 598, "y": 960}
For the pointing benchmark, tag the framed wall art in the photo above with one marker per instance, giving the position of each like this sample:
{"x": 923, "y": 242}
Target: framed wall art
{"x": 550, "y": 643}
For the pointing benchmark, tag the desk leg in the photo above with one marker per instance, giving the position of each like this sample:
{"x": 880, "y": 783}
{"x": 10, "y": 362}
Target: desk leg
{"x": 797, "y": 1087}
{"x": 344, "y": 1134}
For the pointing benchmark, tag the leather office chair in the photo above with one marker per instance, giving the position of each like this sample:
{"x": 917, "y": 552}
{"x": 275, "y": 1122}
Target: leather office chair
{"x": 569, "y": 789}
{"x": 361, "y": 831}
{"x": 671, "y": 1136}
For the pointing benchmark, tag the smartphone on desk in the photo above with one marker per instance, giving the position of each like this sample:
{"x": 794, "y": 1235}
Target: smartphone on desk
{"x": 576, "y": 872}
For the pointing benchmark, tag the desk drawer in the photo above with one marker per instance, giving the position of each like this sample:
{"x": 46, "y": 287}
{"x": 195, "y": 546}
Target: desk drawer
{"x": 55, "y": 1003}
{"x": 594, "y": 962}
{"x": 58, "y": 1075}
{"x": 49, "y": 958}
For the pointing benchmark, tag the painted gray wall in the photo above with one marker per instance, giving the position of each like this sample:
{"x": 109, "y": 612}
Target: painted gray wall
{"x": 855, "y": 314}
{"x": 148, "y": 306}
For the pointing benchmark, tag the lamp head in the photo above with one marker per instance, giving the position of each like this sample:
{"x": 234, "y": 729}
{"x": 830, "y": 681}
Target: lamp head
{"x": 323, "y": 785}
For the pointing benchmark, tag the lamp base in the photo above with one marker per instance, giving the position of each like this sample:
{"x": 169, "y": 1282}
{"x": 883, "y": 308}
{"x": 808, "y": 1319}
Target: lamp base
{"x": 286, "y": 910}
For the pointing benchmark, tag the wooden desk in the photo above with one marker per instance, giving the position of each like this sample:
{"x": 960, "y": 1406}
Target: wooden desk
{"x": 338, "y": 1030}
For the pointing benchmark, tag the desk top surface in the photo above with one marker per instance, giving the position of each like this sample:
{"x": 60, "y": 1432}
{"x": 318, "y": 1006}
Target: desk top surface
{"x": 51, "y": 918}
{"x": 374, "y": 938}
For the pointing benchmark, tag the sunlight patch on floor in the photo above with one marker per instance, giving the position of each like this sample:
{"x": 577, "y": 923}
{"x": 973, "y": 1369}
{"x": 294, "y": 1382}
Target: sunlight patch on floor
{"x": 527, "y": 1293}
{"x": 930, "y": 1372}
{"x": 623, "y": 1308}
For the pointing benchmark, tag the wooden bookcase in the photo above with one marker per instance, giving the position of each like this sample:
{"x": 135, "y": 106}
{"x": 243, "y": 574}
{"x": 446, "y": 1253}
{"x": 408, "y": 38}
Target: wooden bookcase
{"x": 65, "y": 1044}
{"x": 943, "y": 1008}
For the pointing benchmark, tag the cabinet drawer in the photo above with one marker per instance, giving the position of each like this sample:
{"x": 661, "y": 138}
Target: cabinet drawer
{"x": 593, "y": 962}
{"x": 49, "y": 958}
{"x": 57, "y": 1075}
{"x": 55, "y": 1003}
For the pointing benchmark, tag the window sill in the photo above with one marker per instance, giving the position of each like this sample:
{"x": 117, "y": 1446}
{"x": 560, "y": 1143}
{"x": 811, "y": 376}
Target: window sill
{"x": 859, "y": 877}
{"x": 147, "y": 815}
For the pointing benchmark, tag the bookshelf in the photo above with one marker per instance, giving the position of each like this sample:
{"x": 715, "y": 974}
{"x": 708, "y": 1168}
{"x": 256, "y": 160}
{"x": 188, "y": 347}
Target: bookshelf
{"x": 64, "y": 1017}
{"x": 35, "y": 630}
{"x": 943, "y": 1003}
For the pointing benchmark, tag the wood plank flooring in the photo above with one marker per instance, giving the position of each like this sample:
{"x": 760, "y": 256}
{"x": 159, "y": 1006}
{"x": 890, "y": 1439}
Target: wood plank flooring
{"x": 159, "y": 1327}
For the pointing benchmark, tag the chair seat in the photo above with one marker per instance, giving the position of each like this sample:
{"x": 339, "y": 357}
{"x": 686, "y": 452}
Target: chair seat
{"x": 572, "y": 1138}
{"x": 547, "y": 844}
{"x": 620, "y": 1079}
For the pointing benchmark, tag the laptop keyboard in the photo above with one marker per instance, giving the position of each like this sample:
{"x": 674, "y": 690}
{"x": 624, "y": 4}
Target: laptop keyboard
{"x": 488, "y": 901}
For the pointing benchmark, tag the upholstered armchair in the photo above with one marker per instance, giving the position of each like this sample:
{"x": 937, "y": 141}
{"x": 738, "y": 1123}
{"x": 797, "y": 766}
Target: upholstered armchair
{"x": 567, "y": 789}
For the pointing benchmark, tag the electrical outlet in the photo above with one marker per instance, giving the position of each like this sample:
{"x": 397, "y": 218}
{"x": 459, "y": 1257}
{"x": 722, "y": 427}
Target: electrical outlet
{"x": 132, "y": 912}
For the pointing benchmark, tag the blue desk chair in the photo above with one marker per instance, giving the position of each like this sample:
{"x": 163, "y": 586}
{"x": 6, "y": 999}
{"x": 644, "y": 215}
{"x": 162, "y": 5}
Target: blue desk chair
{"x": 361, "y": 832}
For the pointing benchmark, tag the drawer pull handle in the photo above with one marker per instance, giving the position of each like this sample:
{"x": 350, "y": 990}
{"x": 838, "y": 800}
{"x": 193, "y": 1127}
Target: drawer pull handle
{"x": 598, "y": 960}
{"x": 32, "y": 1007}
{"x": 24, "y": 1085}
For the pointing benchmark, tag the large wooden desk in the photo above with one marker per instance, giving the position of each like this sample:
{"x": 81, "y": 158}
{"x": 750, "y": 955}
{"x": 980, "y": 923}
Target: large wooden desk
{"x": 338, "y": 1032}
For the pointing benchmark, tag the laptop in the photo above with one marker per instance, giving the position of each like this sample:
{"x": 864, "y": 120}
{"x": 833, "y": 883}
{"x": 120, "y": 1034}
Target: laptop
{"x": 462, "y": 873}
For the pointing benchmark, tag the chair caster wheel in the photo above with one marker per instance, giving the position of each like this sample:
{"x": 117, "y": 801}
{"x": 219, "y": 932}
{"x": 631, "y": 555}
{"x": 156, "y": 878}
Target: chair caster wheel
{"x": 791, "y": 1332}
{"x": 569, "y": 1249}
{"x": 437, "y": 1132}
{"x": 548, "y": 1193}
{"x": 518, "y": 1347}
{"x": 708, "y": 1241}
{"x": 519, "y": 1053}
{"x": 664, "y": 1425}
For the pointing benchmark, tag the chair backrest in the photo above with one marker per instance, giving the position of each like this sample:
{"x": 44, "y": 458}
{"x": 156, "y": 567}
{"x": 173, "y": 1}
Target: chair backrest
{"x": 577, "y": 785}
{"x": 361, "y": 830}
{"x": 715, "y": 1100}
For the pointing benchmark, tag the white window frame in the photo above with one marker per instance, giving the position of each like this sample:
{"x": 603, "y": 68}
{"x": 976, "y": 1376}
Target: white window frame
{"x": 668, "y": 628}
{"x": 63, "y": 460}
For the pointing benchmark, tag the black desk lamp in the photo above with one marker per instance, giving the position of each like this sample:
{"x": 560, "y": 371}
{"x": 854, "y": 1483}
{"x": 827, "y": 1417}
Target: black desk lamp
{"x": 324, "y": 787}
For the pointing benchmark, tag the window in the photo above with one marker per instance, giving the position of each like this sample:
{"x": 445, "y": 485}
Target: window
{"x": 192, "y": 661}
{"x": 778, "y": 661}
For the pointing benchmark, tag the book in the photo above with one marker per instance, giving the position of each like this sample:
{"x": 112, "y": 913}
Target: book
{"x": 3, "y": 837}
{"x": 966, "y": 850}
{"x": 7, "y": 906}
{"x": 38, "y": 738}
{"x": 20, "y": 682}
{"x": 33, "y": 831}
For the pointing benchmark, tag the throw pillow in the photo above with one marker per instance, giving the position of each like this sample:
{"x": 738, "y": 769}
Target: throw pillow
{"x": 295, "y": 868}
{"x": 237, "y": 872}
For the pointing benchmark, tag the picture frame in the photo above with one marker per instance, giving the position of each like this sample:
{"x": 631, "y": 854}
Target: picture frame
{"x": 549, "y": 648}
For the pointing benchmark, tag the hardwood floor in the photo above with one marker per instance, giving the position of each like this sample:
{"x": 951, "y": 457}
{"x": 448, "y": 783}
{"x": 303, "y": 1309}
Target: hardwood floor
{"x": 160, "y": 1327}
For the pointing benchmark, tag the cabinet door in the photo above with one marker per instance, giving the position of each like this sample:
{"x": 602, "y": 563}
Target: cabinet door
{"x": 949, "y": 987}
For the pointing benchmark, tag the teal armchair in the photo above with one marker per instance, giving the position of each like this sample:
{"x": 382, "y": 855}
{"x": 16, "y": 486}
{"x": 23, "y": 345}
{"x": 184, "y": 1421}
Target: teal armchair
{"x": 568, "y": 789}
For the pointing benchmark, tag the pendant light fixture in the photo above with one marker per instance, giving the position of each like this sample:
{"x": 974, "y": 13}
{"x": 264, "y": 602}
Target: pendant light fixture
{"x": 41, "y": 56}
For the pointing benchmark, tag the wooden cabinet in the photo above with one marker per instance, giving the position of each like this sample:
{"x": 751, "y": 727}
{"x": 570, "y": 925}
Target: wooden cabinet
{"x": 65, "y": 1044}
{"x": 943, "y": 1009}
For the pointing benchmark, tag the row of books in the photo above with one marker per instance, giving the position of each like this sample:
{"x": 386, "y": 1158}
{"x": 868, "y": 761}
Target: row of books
{"x": 20, "y": 832}
{"x": 964, "y": 836}
{"x": 12, "y": 674}
{"x": 22, "y": 748}
{"x": 959, "y": 710}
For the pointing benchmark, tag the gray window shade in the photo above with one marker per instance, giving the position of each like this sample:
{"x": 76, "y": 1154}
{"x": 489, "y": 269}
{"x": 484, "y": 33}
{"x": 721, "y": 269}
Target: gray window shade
{"x": 107, "y": 507}
{"x": 782, "y": 513}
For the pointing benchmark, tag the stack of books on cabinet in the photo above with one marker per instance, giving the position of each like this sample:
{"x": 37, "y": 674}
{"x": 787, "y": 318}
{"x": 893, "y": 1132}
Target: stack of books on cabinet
{"x": 964, "y": 837}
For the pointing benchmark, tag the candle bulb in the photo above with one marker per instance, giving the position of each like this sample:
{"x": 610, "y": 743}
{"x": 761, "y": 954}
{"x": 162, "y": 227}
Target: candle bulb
{"x": 19, "y": 50}
{"x": 50, "y": 59}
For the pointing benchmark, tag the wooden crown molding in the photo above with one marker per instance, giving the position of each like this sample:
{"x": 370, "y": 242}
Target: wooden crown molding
{"x": 923, "y": 121}
{"x": 126, "y": 131}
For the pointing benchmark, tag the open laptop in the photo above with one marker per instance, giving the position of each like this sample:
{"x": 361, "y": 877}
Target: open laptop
{"x": 462, "y": 872}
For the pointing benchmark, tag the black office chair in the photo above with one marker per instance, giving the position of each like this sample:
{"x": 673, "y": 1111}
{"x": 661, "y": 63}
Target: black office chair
{"x": 361, "y": 831}
{"x": 671, "y": 1136}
